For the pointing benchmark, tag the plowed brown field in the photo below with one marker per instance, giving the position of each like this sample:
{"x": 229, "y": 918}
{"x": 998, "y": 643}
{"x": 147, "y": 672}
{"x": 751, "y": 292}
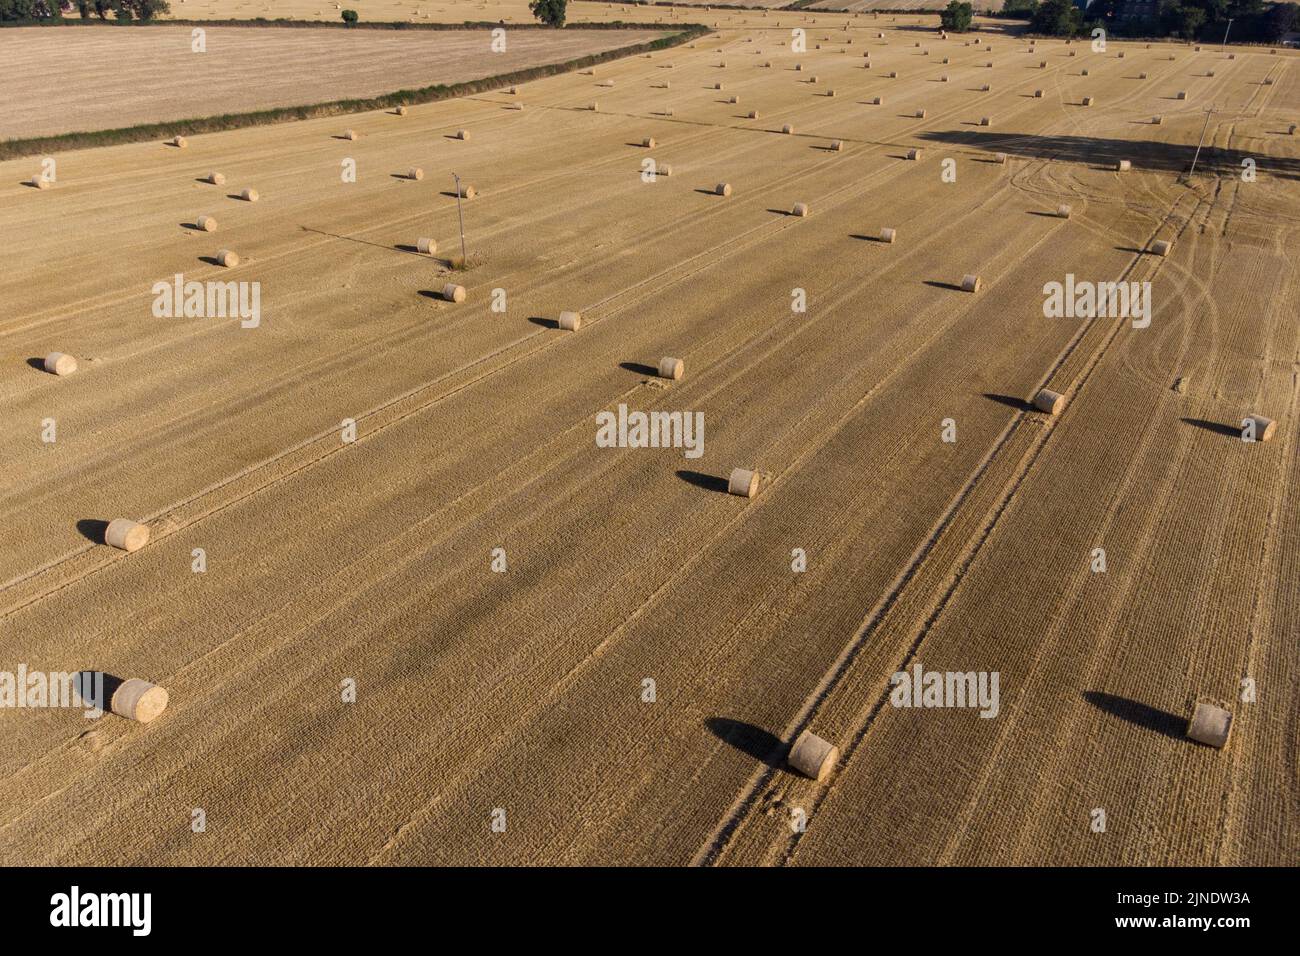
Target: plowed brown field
{"x": 521, "y": 695}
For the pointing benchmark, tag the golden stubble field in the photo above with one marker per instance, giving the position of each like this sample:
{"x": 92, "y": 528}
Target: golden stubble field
{"x": 117, "y": 78}
{"x": 521, "y": 696}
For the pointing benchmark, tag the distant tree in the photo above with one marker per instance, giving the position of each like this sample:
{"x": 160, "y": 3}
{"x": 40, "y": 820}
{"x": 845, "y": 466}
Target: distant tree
{"x": 17, "y": 9}
{"x": 956, "y": 18}
{"x": 1023, "y": 9}
{"x": 1058, "y": 18}
{"x": 1182, "y": 20}
{"x": 350, "y": 17}
{"x": 1281, "y": 20}
{"x": 550, "y": 12}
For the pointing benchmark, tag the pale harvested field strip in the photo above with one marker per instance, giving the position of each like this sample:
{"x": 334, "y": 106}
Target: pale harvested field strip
{"x": 155, "y": 77}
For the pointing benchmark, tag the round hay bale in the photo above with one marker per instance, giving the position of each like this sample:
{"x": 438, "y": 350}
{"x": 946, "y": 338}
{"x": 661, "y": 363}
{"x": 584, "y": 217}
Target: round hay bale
{"x": 798, "y": 67}
{"x": 40, "y": 182}
{"x": 462, "y": 134}
{"x": 837, "y": 146}
{"x": 227, "y": 258}
{"x": 830, "y": 92}
{"x": 801, "y": 210}
{"x": 664, "y": 169}
{"x": 753, "y": 114}
{"x": 126, "y": 534}
{"x": 1038, "y": 94}
{"x": 1063, "y": 211}
{"x": 943, "y": 78}
{"x": 1123, "y": 166}
{"x": 1210, "y": 724}
{"x": 513, "y": 91}
{"x": 206, "y": 223}
{"x": 594, "y": 107}
{"x": 1049, "y": 401}
{"x": 1142, "y": 75}
{"x": 788, "y": 129}
{"x": 1209, "y": 73}
{"x": 249, "y": 195}
{"x": 467, "y": 191}
{"x": 1084, "y": 71}
{"x": 1042, "y": 64}
{"x": 813, "y": 757}
{"x": 743, "y": 482}
{"x": 138, "y": 700}
{"x": 893, "y": 74}
{"x": 180, "y": 142}
{"x": 888, "y": 235}
{"x": 670, "y": 367}
{"x": 1087, "y": 101}
{"x": 986, "y": 87}
{"x": 350, "y": 134}
{"x": 216, "y": 179}
{"x": 400, "y": 111}
{"x": 1182, "y": 95}
{"x": 1291, "y": 129}
{"x": 1264, "y": 427}
{"x": 60, "y": 363}
{"x": 570, "y": 321}
{"x": 1000, "y": 158}
{"x": 986, "y": 121}
{"x": 453, "y": 292}
{"x": 722, "y": 189}
{"x": 919, "y": 114}
{"x": 813, "y": 78}
{"x": 717, "y": 86}
{"x": 1161, "y": 247}
{"x": 970, "y": 283}
{"x": 426, "y": 245}
{"x": 515, "y": 106}
{"x": 877, "y": 101}
{"x": 1157, "y": 120}
{"x": 914, "y": 154}
{"x": 648, "y": 142}
{"x": 415, "y": 172}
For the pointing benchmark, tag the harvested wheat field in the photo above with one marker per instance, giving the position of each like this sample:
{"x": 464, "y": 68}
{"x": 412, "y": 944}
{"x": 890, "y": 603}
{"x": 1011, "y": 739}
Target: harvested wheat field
{"x": 117, "y": 78}
{"x": 413, "y": 599}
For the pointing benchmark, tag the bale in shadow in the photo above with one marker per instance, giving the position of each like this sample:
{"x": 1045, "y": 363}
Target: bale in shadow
{"x": 748, "y": 739}
{"x": 1143, "y": 715}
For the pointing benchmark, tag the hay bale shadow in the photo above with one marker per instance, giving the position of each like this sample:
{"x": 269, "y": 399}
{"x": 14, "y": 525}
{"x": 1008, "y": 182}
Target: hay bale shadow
{"x": 1219, "y": 428}
{"x": 92, "y": 529}
{"x": 701, "y": 480}
{"x": 1142, "y": 715}
{"x": 750, "y": 740}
